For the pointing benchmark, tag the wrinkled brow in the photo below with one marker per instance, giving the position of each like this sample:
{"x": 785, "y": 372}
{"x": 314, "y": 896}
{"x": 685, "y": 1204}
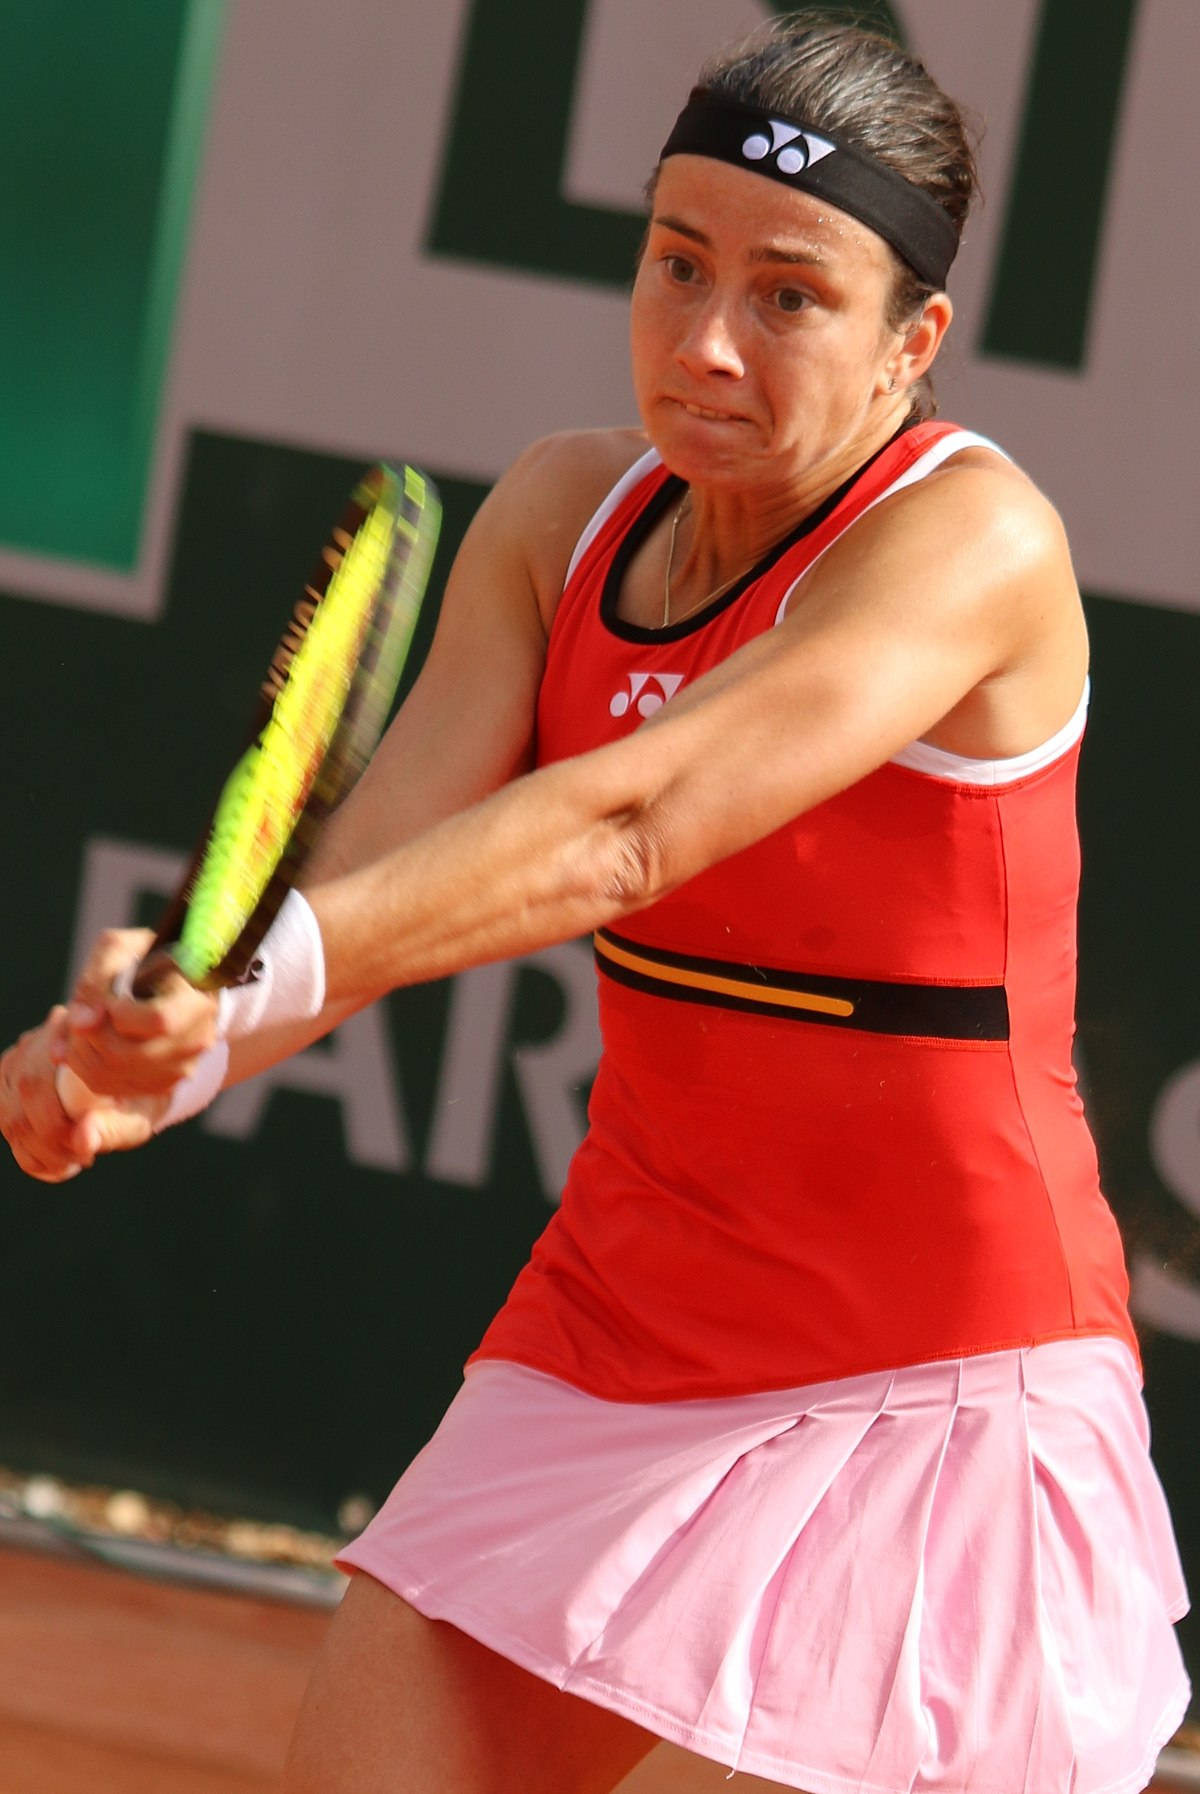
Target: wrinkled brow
{"x": 803, "y": 254}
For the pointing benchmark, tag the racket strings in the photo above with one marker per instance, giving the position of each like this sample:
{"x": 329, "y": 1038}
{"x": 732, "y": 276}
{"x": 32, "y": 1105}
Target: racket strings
{"x": 323, "y": 667}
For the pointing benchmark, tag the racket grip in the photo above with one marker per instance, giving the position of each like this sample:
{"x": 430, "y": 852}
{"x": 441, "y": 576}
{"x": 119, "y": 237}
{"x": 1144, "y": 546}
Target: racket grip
{"x": 145, "y": 980}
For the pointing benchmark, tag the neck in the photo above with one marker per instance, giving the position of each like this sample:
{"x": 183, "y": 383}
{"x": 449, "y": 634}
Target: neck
{"x": 722, "y": 531}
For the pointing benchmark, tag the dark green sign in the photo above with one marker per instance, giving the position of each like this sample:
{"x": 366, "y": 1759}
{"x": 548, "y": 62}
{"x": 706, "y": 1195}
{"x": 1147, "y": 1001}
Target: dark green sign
{"x": 102, "y": 116}
{"x": 269, "y": 1317}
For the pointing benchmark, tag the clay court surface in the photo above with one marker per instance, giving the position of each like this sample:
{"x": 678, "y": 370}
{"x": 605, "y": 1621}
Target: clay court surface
{"x": 112, "y": 1683}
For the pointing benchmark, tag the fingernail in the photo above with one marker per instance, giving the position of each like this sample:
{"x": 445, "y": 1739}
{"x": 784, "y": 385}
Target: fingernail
{"x": 83, "y": 1015}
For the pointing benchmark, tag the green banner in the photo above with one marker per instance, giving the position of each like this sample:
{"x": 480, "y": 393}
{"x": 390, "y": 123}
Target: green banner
{"x": 102, "y": 117}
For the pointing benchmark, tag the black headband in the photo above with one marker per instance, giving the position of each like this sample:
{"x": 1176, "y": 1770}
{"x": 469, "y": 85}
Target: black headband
{"x": 817, "y": 162}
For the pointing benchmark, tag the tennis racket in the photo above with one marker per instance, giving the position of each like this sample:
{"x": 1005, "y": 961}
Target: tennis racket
{"x": 319, "y": 713}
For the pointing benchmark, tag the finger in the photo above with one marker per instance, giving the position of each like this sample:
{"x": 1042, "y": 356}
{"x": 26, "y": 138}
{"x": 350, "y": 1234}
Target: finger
{"x": 60, "y": 1172}
{"x": 31, "y": 1118}
{"x": 43, "y": 1157}
{"x": 117, "y": 1069}
{"x": 176, "y": 1010}
{"x": 51, "y": 1160}
{"x": 144, "y": 1046}
{"x": 57, "y": 1033}
{"x": 111, "y": 1129}
{"x": 31, "y": 1104}
{"x": 74, "y": 1095}
{"x": 113, "y": 951}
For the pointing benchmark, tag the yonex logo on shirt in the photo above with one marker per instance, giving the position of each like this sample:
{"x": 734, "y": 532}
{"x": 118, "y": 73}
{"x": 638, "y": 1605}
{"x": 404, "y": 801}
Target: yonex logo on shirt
{"x": 647, "y": 693}
{"x": 792, "y": 148}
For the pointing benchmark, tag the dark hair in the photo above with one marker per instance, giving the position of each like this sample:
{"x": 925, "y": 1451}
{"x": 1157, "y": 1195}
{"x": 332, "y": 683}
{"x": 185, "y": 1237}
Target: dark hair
{"x": 823, "y": 71}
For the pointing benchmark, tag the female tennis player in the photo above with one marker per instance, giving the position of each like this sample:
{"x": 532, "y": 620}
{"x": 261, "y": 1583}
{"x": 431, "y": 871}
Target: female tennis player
{"x": 810, "y": 1439}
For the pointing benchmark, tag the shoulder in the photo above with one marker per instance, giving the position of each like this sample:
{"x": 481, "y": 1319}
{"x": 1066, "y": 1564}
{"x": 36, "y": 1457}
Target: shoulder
{"x": 978, "y": 524}
{"x": 979, "y": 490}
{"x": 971, "y": 552}
{"x": 594, "y": 458}
{"x": 540, "y": 507}
{"x": 555, "y": 485}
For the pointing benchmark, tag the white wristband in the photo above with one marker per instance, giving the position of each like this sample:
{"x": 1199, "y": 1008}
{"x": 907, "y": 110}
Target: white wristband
{"x": 288, "y": 979}
{"x": 287, "y": 985}
{"x": 194, "y": 1093}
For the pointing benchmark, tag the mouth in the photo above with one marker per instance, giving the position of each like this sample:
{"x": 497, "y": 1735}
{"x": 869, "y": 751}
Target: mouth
{"x": 709, "y": 415}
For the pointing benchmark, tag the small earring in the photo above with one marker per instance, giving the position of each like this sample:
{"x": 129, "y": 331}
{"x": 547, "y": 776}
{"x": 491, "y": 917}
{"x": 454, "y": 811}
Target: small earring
{"x": 891, "y": 383}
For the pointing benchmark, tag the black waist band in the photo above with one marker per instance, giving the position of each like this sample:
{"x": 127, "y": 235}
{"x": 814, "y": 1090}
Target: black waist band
{"x": 925, "y": 1011}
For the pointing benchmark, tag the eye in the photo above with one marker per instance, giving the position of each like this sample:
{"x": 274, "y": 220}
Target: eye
{"x": 680, "y": 269}
{"x": 790, "y": 299}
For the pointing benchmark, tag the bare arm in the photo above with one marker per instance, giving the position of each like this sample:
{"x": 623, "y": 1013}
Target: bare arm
{"x": 465, "y": 729}
{"x": 956, "y": 594}
{"x": 952, "y": 607}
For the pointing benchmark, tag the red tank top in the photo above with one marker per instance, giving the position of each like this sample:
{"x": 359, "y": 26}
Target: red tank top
{"x": 835, "y": 1127}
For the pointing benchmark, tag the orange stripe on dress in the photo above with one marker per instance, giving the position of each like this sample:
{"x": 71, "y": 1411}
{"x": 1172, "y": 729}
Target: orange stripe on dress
{"x": 693, "y": 979}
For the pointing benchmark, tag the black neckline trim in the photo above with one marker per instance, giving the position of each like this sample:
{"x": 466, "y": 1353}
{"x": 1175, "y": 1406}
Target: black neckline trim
{"x": 660, "y": 502}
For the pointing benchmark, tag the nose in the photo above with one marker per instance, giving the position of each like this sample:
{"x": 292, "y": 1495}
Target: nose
{"x": 709, "y": 344}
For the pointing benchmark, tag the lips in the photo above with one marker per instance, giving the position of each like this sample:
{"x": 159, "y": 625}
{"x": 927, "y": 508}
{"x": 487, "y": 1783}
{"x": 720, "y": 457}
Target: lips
{"x": 710, "y": 415}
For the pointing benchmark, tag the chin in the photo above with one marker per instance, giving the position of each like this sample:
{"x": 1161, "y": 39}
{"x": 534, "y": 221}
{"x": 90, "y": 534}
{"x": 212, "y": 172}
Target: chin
{"x": 700, "y": 451}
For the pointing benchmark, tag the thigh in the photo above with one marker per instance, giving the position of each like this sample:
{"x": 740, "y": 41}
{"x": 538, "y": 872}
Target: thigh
{"x": 398, "y": 1702}
{"x": 669, "y": 1770}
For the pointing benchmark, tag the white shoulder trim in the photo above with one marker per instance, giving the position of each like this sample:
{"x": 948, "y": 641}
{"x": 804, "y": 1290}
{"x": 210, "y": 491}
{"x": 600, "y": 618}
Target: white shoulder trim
{"x": 924, "y": 464}
{"x": 938, "y": 763}
{"x": 624, "y": 486}
{"x": 919, "y": 756}
{"x": 941, "y": 451}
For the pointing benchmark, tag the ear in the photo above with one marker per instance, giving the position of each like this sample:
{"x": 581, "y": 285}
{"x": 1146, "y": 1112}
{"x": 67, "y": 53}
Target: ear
{"x": 920, "y": 342}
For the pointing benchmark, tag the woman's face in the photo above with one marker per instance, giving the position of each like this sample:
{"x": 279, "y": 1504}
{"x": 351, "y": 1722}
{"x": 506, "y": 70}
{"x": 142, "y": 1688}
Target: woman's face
{"x": 761, "y": 348}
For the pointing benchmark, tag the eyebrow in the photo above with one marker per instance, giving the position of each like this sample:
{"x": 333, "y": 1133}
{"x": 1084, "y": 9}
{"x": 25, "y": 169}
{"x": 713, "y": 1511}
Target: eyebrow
{"x": 765, "y": 252}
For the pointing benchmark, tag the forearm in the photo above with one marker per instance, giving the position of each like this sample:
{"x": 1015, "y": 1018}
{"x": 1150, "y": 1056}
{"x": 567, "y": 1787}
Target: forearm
{"x": 529, "y": 865}
{"x": 550, "y": 856}
{"x": 577, "y": 844}
{"x": 255, "y": 1052}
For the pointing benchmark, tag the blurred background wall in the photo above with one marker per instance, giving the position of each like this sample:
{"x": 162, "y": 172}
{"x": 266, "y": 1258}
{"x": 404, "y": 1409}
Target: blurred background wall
{"x": 253, "y": 244}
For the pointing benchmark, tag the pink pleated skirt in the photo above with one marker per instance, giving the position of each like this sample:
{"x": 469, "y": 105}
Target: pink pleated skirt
{"x": 957, "y": 1576}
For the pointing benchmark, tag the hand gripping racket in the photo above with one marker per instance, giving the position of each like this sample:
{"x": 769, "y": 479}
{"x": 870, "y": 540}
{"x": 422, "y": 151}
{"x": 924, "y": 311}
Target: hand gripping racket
{"x": 320, "y": 711}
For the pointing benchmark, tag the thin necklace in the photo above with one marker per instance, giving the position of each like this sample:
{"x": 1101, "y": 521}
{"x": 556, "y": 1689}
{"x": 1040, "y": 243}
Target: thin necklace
{"x": 709, "y": 597}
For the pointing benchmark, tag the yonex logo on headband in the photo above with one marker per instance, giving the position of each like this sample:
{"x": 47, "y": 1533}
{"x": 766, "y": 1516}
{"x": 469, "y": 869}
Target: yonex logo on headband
{"x": 802, "y": 157}
{"x": 792, "y": 148}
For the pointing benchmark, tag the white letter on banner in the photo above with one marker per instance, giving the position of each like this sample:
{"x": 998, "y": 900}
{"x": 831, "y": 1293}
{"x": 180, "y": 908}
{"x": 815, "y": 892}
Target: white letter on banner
{"x": 116, "y": 875}
{"x": 548, "y": 1075}
{"x": 354, "y": 1065}
{"x": 469, "y": 1088}
{"x": 1162, "y": 1297}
